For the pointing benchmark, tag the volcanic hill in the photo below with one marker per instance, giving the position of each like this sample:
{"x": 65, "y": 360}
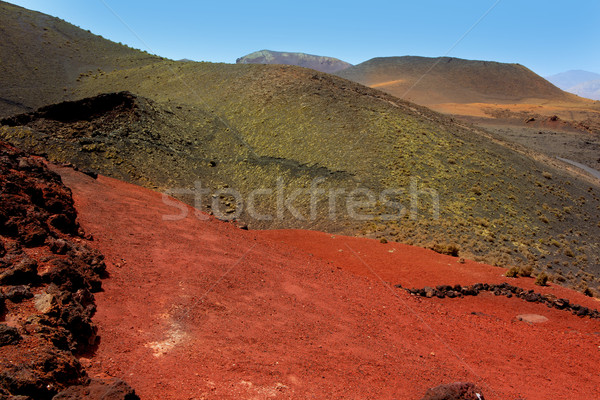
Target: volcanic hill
{"x": 427, "y": 80}
{"x": 172, "y": 125}
{"x": 470, "y": 87}
{"x": 43, "y": 57}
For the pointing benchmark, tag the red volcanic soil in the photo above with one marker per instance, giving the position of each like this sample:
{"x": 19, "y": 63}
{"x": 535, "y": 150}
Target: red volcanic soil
{"x": 198, "y": 309}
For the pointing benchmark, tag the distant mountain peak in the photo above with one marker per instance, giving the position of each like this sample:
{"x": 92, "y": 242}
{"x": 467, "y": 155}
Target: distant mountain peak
{"x": 319, "y": 63}
{"x": 582, "y": 83}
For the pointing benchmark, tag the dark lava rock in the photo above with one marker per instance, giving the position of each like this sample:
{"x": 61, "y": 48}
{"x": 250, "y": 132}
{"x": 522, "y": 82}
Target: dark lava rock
{"x": 582, "y": 312}
{"x": 32, "y": 235}
{"x": 24, "y": 272}
{"x": 17, "y": 294}
{"x": 64, "y": 275}
{"x": 532, "y": 297}
{"x": 507, "y": 290}
{"x": 114, "y": 389}
{"x": 63, "y": 223}
{"x": 38, "y": 227}
{"x": 59, "y": 246}
{"x": 46, "y": 372}
{"x": 5, "y": 395}
{"x": 454, "y": 391}
{"x": 8, "y": 335}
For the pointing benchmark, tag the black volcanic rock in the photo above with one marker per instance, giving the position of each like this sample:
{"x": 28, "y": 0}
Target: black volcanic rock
{"x": 454, "y": 391}
{"x": 46, "y": 289}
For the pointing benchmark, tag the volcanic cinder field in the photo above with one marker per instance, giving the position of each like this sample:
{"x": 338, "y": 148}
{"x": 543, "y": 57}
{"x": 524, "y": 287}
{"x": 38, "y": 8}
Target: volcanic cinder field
{"x": 199, "y": 308}
{"x": 291, "y": 226}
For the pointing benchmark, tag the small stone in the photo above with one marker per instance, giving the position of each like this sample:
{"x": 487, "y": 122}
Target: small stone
{"x": 532, "y": 318}
{"x": 44, "y": 302}
{"x": 532, "y": 297}
{"x": 429, "y": 292}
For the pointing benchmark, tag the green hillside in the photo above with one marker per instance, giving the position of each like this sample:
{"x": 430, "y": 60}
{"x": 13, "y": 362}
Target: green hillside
{"x": 248, "y": 127}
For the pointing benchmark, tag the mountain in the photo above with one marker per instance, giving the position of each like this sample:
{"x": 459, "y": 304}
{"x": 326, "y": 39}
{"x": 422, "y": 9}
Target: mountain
{"x": 43, "y": 57}
{"x": 589, "y": 89}
{"x": 453, "y": 80}
{"x": 254, "y": 136}
{"x": 582, "y": 83}
{"x": 567, "y": 80}
{"x": 484, "y": 92}
{"x": 319, "y": 63}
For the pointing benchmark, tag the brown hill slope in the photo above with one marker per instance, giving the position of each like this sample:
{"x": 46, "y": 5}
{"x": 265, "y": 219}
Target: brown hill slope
{"x": 453, "y": 80}
{"x": 43, "y": 57}
{"x": 319, "y": 63}
{"x": 475, "y": 88}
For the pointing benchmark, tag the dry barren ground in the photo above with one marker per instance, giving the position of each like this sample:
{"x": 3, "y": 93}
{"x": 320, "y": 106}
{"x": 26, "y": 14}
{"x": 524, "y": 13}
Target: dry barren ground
{"x": 201, "y": 309}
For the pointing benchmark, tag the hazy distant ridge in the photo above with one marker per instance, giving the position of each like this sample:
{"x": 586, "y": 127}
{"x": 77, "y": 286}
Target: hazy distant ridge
{"x": 319, "y": 63}
{"x": 581, "y": 83}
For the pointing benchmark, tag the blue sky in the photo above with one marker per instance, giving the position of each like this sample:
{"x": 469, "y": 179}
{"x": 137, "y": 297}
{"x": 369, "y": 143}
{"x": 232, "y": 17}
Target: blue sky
{"x": 546, "y": 36}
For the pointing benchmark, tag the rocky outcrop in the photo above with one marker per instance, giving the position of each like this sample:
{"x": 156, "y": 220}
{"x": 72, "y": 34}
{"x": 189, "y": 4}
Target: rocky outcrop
{"x": 48, "y": 275}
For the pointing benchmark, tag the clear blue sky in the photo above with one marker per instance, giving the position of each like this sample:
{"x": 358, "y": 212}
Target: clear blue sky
{"x": 547, "y": 36}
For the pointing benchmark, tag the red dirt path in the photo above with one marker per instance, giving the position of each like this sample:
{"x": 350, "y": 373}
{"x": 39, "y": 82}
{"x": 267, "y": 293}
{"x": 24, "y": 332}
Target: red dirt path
{"x": 198, "y": 309}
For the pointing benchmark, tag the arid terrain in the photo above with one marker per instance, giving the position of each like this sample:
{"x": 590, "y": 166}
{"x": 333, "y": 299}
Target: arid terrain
{"x": 507, "y": 99}
{"x": 303, "y": 314}
{"x": 408, "y": 228}
{"x": 262, "y": 126}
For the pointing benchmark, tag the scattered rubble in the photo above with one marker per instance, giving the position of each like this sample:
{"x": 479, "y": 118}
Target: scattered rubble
{"x": 504, "y": 289}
